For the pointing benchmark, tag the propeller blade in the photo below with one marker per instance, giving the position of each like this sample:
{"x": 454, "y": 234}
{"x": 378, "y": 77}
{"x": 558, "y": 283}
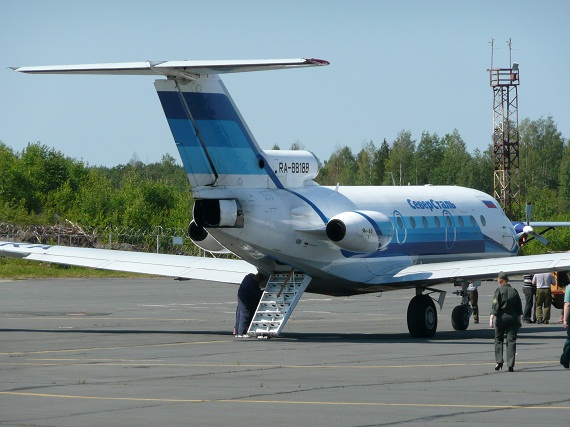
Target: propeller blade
{"x": 528, "y": 212}
{"x": 540, "y": 239}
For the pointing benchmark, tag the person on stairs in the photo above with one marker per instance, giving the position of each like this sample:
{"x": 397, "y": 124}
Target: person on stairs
{"x": 248, "y": 296}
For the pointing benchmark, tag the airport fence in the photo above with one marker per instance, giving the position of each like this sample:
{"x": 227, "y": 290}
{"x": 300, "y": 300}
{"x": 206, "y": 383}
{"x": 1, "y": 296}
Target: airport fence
{"x": 157, "y": 239}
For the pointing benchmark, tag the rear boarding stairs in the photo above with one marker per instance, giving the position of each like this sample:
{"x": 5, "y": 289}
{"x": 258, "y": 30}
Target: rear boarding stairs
{"x": 281, "y": 294}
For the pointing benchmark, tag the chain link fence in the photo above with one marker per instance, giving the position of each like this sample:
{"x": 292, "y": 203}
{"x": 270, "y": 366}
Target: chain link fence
{"x": 157, "y": 239}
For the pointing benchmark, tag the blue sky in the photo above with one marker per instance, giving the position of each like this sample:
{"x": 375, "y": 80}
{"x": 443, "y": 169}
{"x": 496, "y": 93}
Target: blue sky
{"x": 395, "y": 65}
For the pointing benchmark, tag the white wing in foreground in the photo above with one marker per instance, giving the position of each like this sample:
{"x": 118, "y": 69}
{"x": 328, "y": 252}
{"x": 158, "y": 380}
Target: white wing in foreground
{"x": 188, "y": 267}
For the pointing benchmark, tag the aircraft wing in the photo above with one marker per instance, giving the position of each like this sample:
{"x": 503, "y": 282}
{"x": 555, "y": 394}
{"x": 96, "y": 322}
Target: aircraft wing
{"x": 549, "y": 224}
{"x": 487, "y": 268}
{"x": 188, "y": 267}
{"x": 519, "y": 225}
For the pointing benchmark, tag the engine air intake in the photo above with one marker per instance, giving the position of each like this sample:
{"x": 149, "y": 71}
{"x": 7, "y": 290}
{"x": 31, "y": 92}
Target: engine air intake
{"x": 360, "y": 231}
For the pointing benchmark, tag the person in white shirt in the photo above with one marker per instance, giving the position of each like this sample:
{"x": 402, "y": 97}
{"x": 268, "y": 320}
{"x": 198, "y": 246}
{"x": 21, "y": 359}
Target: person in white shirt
{"x": 543, "y": 296}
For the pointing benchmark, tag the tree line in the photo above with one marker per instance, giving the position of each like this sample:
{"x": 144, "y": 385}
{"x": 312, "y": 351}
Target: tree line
{"x": 40, "y": 185}
{"x": 543, "y": 177}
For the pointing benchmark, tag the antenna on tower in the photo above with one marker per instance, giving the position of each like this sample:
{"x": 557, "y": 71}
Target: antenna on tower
{"x": 492, "y": 51}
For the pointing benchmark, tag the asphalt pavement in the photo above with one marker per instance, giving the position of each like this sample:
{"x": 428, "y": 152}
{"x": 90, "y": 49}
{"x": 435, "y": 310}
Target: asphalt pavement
{"x": 149, "y": 352}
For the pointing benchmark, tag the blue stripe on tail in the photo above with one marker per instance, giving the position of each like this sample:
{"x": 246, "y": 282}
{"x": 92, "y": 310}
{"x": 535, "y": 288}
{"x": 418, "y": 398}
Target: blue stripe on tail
{"x": 229, "y": 145}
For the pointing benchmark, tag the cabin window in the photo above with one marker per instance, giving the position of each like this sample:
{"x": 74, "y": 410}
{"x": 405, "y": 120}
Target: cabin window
{"x": 448, "y": 220}
{"x": 473, "y": 222}
{"x": 461, "y": 221}
{"x": 400, "y": 222}
{"x": 412, "y": 222}
{"x": 483, "y": 221}
{"x": 425, "y": 222}
{"x": 436, "y": 219}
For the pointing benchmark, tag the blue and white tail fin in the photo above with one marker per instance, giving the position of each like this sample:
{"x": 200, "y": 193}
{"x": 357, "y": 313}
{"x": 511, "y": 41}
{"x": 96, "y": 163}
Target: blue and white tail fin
{"x": 215, "y": 144}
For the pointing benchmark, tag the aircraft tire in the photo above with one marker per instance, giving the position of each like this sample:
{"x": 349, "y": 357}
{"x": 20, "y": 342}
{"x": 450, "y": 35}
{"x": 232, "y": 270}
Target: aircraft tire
{"x": 422, "y": 317}
{"x": 460, "y": 317}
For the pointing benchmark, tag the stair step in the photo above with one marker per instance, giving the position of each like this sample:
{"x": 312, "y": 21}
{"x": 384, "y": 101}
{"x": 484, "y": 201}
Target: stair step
{"x": 277, "y": 303}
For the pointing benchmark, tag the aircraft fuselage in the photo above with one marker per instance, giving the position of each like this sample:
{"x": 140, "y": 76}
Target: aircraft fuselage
{"x": 423, "y": 224}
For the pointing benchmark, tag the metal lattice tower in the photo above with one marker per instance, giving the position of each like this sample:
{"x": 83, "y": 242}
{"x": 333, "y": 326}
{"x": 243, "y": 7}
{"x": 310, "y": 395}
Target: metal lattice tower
{"x": 504, "y": 82}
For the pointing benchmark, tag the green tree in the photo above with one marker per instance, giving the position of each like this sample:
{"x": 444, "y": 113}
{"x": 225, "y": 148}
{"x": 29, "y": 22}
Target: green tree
{"x": 541, "y": 145}
{"x": 31, "y": 177}
{"x": 428, "y": 156}
{"x": 400, "y": 163}
{"x": 455, "y": 164}
{"x": 564, "y": 179}
{"x": 297, "y": 145}
{"x": 340, "y": 168}
{"x": 98, "y": 203}
{"x": 13, "y": 184}
{"x": 365, "y": 162}
{"x": 481, "y": 170}
{"x": 380, "y": 158}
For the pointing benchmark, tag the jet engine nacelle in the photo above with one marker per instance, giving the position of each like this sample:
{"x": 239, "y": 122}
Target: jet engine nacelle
{"x": 210, "y": 213}
{"x": 204, "y": 240}
{"x": 360, "y": 231}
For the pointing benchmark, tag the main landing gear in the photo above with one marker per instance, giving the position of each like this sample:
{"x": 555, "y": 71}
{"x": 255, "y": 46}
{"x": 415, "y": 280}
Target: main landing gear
{"x": 460, "y": 317}
{"x": 422, "y": 314}
{"x": 461, "y": 313}
{"x": 422, "y": 317}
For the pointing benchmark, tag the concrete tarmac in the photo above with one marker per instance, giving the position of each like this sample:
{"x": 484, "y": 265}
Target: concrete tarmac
{"x": 149, "y": 352}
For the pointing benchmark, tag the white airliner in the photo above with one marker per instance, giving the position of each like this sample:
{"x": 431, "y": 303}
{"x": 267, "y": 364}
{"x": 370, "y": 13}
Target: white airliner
{"x": 266, "y": 208}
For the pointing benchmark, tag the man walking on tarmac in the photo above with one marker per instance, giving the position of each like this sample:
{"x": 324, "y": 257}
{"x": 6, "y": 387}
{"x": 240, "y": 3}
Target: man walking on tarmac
{"x": 543, "y": 296}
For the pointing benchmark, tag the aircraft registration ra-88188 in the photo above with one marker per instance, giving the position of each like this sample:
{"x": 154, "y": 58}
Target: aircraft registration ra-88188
{"x": 266, "y": 208}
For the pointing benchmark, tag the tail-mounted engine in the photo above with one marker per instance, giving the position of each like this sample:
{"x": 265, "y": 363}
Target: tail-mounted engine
{"x": 210, "y": 213}
{"x": 360, "y": 231}
{"x": 213, "y": 213}
{"x": 204, "y": 240}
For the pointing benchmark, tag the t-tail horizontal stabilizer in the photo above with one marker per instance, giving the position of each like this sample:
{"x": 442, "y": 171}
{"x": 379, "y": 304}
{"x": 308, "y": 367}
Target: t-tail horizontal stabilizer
{"x": 179, "y": 69}
{"x": 214, "y": 142}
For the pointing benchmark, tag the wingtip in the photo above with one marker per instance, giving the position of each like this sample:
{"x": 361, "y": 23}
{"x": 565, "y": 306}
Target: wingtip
{"x": 316, "y": 61}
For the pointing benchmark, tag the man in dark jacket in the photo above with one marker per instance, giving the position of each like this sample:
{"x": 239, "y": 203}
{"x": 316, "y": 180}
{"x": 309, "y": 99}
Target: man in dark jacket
{"x": 506, "y": 313}
{"x": 565, "y": 358}
{"x": 249, "y": 294}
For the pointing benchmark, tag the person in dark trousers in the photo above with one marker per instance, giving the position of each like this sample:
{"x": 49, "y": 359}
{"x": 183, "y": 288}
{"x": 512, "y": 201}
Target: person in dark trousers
{"x": 565, "y": 358}
{"x": 543, "y": 296}
{"x": 506, "y": 313}
{"x": 474, "y": 298}
{"x": 529, "y": 291}
{"x": 249, "y": 294}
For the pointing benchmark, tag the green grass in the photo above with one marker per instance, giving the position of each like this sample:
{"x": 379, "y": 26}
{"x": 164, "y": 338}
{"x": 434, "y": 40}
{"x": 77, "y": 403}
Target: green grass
{"x": 12, "y": 268}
